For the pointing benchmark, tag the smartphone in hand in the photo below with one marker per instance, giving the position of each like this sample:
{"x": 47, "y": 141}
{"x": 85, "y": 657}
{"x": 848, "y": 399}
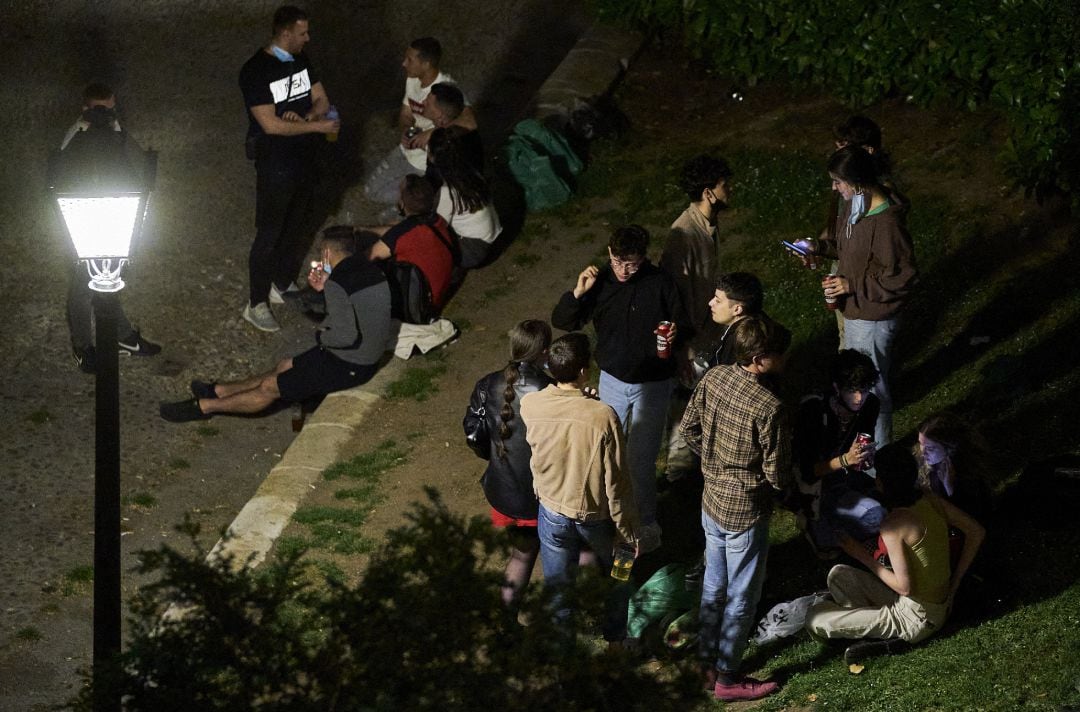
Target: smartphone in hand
{"x": 802, "y": 248}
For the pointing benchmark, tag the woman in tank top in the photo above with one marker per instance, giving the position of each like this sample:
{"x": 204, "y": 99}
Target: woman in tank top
{"x": 910, "y": 598}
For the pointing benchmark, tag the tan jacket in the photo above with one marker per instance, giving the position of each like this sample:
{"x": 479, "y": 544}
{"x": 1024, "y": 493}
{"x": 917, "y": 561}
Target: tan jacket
{"x": 578, "y": 458}
{"x": 690, "y": 257}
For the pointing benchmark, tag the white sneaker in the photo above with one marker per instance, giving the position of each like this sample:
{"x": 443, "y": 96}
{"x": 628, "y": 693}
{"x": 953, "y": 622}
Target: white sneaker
{"x": 277, "y": 296}
{"x": 261, "y": 317}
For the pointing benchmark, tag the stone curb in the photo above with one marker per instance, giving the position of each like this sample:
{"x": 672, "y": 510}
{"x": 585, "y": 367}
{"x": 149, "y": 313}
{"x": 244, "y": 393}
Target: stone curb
{"x": 592, "y": 67}
{"x": 316, "y": 447}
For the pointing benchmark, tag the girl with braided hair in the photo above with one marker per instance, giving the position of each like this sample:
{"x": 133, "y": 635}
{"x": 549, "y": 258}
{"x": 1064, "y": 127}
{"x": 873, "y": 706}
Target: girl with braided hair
{"x": 495, "y": 431}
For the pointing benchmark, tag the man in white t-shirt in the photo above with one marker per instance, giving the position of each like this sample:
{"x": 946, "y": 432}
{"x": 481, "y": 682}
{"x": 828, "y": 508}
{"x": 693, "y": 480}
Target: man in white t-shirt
{"x": 421, "y": 66}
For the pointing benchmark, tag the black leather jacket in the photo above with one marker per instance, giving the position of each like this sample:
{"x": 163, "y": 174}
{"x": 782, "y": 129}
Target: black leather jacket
{"x": 507, "y": 481}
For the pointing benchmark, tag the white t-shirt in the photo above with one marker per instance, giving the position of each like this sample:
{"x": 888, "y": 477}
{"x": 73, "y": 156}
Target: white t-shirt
{"x": 482, "y": 225}
{"x": 414, "y": 99}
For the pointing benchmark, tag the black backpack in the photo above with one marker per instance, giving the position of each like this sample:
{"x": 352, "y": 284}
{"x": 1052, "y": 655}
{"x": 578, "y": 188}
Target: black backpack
{"x": 410, "y": 293}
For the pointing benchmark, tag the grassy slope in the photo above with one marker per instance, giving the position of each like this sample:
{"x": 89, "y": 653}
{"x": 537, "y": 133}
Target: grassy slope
{"x": 991, "y": 267}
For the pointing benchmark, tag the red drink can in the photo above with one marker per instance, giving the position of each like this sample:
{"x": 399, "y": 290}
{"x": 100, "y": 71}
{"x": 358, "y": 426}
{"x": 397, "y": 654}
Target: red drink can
{"x": 865, "y": 439}
{"x": 663, "y": 332}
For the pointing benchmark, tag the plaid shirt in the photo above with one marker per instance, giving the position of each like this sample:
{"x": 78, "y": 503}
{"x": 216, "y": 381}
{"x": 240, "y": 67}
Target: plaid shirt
{"x": 741, "y": 430}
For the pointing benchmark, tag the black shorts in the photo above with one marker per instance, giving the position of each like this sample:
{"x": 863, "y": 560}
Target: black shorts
{"x": 317, "y": 372}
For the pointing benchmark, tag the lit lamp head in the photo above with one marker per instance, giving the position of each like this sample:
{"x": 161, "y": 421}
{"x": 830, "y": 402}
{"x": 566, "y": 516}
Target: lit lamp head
{"x": 101, "y": 188}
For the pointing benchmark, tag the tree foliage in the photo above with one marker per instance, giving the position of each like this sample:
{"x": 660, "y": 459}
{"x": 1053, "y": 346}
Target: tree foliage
{"x": 424, "y": 628}
{"x": 1017, "y": 55}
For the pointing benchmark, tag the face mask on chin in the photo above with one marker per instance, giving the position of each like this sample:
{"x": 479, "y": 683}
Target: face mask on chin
{"x": 281, "y": 54}
{"x": 858, "y": 207}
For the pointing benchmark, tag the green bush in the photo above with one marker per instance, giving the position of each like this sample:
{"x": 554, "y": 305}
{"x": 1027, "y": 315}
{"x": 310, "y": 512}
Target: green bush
{"x": 1017, "y": 55}
{"x": 425, "y": 629}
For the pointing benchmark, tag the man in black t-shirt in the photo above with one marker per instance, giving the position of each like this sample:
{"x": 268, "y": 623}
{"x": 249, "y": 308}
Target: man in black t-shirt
{"x": 286, "y": 104}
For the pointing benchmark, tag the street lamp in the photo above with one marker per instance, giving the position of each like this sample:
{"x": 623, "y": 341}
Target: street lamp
{"x": 101, "y": 185}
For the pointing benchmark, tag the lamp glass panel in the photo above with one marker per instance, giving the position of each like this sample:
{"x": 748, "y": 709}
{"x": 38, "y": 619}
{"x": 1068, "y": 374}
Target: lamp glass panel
{"x": 101, "y": 227}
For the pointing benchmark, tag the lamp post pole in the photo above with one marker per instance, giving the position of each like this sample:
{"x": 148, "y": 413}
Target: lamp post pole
{"x": 102, "y": 196}
{"x": 107, "y": 617}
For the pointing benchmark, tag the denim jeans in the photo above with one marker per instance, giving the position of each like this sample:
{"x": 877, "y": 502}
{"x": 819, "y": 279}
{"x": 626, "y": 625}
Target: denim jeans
{"x": 730, "y": 590}
{"x": 642, "y": 410}
{"x": 875, "y": 339}
{"x": 384, "y": 183}
{"x": 560, "y": 545}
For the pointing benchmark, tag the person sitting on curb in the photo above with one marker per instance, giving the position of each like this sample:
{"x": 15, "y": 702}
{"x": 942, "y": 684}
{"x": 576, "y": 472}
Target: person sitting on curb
{"x": 422, "y": 238}
{"x": 421, "y": 65}
{"x": 908, "y": 598}
{"x": 464, "y": 199}
{"x": 351, "y": 340}
{"x": 444, "y": 105}
{"x": 420, "y": 254}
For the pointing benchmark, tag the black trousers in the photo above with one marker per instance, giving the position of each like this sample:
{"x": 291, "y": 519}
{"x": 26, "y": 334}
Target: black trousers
{"x": 283, "y": 199}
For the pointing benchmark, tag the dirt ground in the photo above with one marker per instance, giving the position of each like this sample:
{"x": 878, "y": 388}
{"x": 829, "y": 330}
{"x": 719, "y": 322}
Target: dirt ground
{"x": 174, "y": 65}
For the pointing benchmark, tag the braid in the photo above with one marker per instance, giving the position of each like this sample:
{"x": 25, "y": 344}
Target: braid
{"x": 506, "y": 414}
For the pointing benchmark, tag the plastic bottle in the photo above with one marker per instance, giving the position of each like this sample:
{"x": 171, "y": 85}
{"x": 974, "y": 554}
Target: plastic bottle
{"x": 332, "y": 115}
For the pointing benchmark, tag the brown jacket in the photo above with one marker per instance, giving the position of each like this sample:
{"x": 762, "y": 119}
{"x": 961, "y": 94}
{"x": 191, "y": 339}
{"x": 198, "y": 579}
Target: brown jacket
{"x": 878, "y": 258}
{"x": 578, "y": 458}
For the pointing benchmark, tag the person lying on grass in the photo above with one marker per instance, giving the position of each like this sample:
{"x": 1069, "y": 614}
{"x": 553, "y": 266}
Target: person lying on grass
{"x": 912, "y": 598}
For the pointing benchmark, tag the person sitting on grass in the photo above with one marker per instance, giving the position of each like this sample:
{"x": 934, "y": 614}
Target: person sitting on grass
{"x": 953, "y": 463}
{"x": 832, "y": 463}
{"x": 351, "y": 340}
{"x": 910, "y": 599}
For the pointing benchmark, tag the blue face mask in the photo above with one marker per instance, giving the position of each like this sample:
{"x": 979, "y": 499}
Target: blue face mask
{"x": 280, "y": 53}
{"x": 858, "y": 208}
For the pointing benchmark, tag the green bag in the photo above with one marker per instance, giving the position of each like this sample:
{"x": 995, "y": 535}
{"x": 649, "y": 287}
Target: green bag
{"x": 543, "y": 164}
{"x": 664, "y": 594}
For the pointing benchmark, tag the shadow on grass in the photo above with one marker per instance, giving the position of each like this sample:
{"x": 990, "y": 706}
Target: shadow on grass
{"x": 964, "y": 272}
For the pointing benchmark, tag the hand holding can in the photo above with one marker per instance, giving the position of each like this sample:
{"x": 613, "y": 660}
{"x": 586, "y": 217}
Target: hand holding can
{"x": 866, "y": 440}
{"x": 665, "y": 333}
{"x": 831, "y": 301}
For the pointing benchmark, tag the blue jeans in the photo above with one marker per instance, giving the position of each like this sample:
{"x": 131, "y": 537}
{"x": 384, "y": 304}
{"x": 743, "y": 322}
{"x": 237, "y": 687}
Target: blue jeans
{"x": 384, "y": 183}
{"x": 730, "y": 590}
{"x": 642, "y": 410}
{"x": 560, "y": 545}
{"x": 875, "y": 339}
